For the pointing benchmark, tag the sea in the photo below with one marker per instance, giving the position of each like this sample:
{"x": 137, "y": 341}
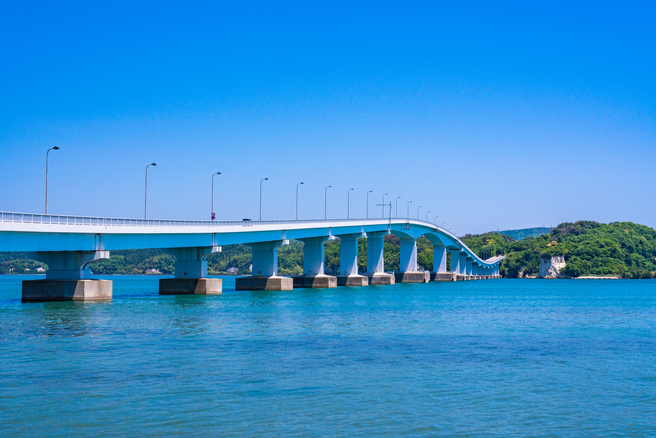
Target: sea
{"x": 489, "y": 358}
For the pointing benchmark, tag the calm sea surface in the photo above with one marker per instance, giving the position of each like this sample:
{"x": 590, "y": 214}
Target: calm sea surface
{"x": 478, "y": 358}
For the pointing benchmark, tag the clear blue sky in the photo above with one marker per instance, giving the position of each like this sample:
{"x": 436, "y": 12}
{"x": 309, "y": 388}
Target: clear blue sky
{"x": 491, "y": 115}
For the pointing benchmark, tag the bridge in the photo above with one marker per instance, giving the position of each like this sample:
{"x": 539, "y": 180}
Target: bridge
{"x": 69, "y": 245}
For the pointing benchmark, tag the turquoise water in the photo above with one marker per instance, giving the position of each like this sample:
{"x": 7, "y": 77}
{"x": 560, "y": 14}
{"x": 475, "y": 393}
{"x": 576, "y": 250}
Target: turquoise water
{"x": 466, "y": 359}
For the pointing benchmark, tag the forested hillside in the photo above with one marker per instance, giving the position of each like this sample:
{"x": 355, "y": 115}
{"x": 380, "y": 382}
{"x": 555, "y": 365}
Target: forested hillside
{"x": 622, "y": 249}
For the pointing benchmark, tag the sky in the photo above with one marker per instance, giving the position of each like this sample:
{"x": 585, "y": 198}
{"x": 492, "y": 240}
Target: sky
{"x": 488, "y": 115}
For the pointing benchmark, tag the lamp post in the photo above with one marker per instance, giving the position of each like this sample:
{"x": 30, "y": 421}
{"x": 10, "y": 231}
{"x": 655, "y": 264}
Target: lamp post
{"x": 408, "y": 217}
{"x": 213, "y": 216}
{"x": 56, "y": 148}
{"x": 348, "y": 204}
{"x": 297, "y": 198}
{"x": 435, "y": 220}
{"x": 146, "y": 192}
{"x": 383, "y": 207}
{"x": 397, "y": 207}
{"x": 418, "y": 211}
{"x": 370, "y": 191}
{"x": 427, "y": 215}
{"x": 325, "y": 202}
{"x": 263, "y": 179}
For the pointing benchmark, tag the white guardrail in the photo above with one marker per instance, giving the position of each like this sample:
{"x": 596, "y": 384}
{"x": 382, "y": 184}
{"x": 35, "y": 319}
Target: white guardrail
{"x": 31, "y": 218}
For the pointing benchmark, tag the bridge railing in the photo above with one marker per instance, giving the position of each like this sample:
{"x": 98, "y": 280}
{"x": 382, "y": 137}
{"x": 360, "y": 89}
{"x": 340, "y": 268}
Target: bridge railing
{"x": 31, "y": 218}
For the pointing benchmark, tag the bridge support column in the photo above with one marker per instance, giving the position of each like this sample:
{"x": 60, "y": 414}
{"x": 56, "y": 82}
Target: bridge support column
{"x": 462, "y": 266}
{"x": 313, "y": 265}
{"x": 408, "y": 272}
{"x": 68, "y": 278}
{"x": 439, "y": 265}
{"x": 191, "y": 273}
{"x": 348, "y": 265}
{"x": 469, "y": 268}
{"x": 455, "y": 263}
{"x": 376, "y": 260}
{"x": 265, "y": 269}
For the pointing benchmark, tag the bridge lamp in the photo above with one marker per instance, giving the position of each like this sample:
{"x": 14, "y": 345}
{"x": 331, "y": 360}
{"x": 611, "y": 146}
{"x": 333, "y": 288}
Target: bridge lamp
{"x": 383, "y": 207}
{"x": 263, "y": 179}
{"x": 146, "y": 192}
{"x": 54, "y": 148}
{"x": 370, "y": 191}
{"x": 427, "y": 215}
{"x": 325, "y": 202}
{"x": 397, "y": 207}
{"x": 418, "y": 211}
{"x": 348, "y": 204}
{"x": 408, "y": 217}
{"x": 435, "y": 220}
{"x": 297, "y": 198}
{"x": 217, "y": 173}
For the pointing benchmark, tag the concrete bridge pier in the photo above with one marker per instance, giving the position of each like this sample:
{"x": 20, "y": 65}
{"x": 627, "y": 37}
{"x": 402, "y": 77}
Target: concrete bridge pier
{"x": 265, "y": 269}
{"x": 455, "y": 263}
{"x": 68, "y": 278}
{"x": 469, "y": 269}
{"x": 375, "y": 259}
{"x": 348, "y": 265}
{"x": 313, "y": 265}
{"x": 462, "y": 266}
{"x": 191, "y": 273}
{"x": 439, "y": 272}
{"x": 408, "y": 272}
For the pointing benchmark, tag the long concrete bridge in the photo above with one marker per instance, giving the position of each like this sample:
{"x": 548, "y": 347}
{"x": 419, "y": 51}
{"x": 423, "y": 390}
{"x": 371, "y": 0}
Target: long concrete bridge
{"x": 70, "y": 244}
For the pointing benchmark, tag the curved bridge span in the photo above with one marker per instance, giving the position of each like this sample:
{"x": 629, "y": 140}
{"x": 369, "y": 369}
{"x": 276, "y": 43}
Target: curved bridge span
{"x": 69, "y": 244}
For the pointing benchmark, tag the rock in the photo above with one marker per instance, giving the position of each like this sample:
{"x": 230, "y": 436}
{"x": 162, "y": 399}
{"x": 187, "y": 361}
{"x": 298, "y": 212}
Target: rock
{"x": 550, "y": 268}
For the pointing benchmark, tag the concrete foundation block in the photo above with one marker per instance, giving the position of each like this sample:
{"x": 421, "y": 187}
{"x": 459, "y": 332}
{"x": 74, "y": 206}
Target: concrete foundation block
{"x": 67, "y": 290}
{"x": 264, "y": 283}
{"x": 461, "y": 277}
{"x": 315, "y": 281}
{"x": 442, "y": 276}
{"x": 191, "y": 286}
{"x": 381, "y": 279}
{"x": 412, "y": 277}
{"x": 352, "y": 280}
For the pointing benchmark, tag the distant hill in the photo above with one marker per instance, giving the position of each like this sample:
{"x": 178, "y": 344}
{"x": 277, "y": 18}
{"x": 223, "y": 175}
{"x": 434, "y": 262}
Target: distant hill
{"x": 526, "y": 232}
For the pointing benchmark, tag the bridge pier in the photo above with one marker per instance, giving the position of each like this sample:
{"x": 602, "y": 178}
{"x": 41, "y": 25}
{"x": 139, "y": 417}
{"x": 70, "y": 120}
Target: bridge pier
{"x": 191, "y": 273}
{"x": 265, "y": 269}
{"x": 348, "y": 262}
{"x": 313, "y": 265}
{"x": 408, "y": 272}
{"x": 67, "y": 278}
{"x": 375, "y": 259}
{"x": 439, "y": 272}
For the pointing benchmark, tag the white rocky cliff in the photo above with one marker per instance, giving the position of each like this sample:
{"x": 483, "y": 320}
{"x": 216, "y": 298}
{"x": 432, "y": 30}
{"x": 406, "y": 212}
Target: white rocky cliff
{"x": 550, "y": 268}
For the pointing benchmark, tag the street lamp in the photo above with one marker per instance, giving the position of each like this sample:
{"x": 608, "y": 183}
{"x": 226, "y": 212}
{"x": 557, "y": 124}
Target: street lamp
{"x": 409, "y": 202}
{"x": 297, "y": 198}
{"x": 427, "y": 215}
{"x": 418, "y": 211}
{"x": 383, "y": 207}
{"x": 397, "y": 207}
{"x": 263, "y": 179}
{"x": 56, "y": 148}
{"x": 325, "y": 202}
{"x": 435, "y": 220}
{"x": 146, "y": 192}
{"x": 213, "y": 216}
{"x": 370, "y": 191}
{"x": 348, "y": 204}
